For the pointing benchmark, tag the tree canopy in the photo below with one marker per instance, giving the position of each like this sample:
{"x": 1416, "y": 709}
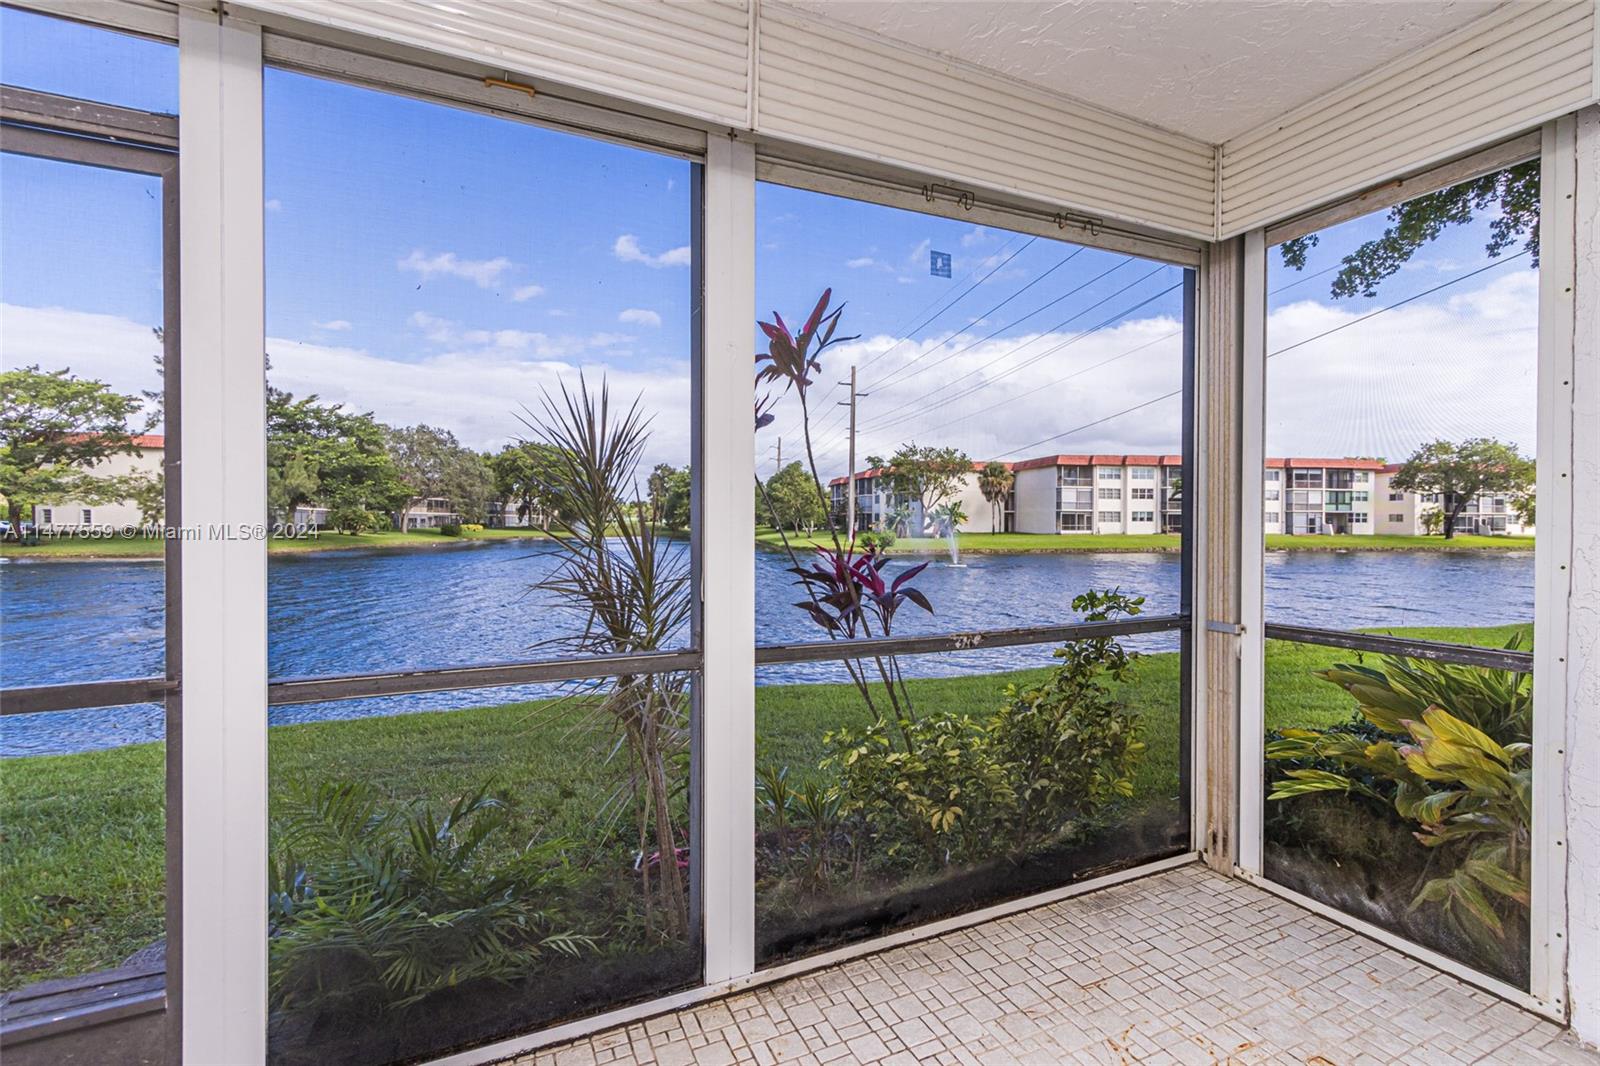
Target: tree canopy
{"x": 321, "y": 454}
{"x": 795, "y": 499}
{"x": 55, "y": 428}
{"x": 670, "y": 495}
{"x": 525, "y": 474}
{"x": 1459, "y": 473}
{"x": 1512, "y": 193}
{"x": 432, "y": 464}
{"x": 927, "y": 474}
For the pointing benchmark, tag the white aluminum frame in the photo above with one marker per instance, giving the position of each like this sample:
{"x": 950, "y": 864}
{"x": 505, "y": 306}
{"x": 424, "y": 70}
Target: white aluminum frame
{"x": 1546, "y": 993}
{"x": 224, "y": 740}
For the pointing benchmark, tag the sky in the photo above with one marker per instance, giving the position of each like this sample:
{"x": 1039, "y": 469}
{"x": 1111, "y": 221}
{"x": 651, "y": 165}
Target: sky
{"x": 435, "y": 265}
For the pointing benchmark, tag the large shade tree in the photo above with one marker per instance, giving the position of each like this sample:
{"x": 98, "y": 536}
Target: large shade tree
{"x": 929, "y": 475}
{"x": 1459, "y": 473}
{"x": 432, "y": 464}
{"x": 55, "y": 429}
{"x": 796, "y": 500}
{"x": 320, "y": 454}
{"x": 524, "y": 476}
{"x": 1512, "y": 195}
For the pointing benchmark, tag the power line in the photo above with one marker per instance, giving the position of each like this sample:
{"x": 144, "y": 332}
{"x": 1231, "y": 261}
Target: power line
{"x": 881, "y": 424}
{"x": 1287, "y": 348}
{"x": 1071, "y": 292}
{"x": 907, "y": 334}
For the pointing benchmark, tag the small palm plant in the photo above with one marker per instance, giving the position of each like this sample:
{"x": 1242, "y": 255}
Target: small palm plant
{"x": 375, "y": 905}
{"x": 995, "y": 483}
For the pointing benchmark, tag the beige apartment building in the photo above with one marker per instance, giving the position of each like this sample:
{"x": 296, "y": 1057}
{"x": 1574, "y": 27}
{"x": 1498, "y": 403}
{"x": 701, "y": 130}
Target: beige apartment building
{"x": 78, "y": 516}
{"x": 1143, "y": 494}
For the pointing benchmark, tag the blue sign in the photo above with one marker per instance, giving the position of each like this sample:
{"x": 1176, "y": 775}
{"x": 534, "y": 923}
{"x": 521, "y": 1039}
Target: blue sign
{"x": 939, "y": 264}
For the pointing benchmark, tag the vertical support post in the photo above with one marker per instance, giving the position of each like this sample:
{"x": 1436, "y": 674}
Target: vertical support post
{"x": 727, "y": 474}
{"x": 1581, "y": 738}
{"x": 1553, "y": 566}
{"x": 1251, "y": 642}
{"x": 224, "y": 579}
{"x": 1215, "y": 498}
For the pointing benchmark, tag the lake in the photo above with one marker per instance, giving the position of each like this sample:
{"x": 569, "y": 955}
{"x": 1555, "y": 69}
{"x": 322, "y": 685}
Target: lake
{"x": 349, "y": 612}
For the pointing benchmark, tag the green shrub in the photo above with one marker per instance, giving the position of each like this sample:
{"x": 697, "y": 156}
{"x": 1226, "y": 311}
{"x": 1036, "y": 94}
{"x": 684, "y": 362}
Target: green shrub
{"x": 354, "y": 520}
{"x": 374, "y": 906}
{"x": 948, "y": 788}
{"x": 875, "y": 540}
{"x": 450, "y": 529}
{"x": 1467, "y": 792}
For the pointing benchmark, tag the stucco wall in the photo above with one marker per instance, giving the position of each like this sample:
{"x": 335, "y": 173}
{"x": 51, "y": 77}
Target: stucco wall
{"x": 1583, "y": 677}
{"x": 1036, "y": 500}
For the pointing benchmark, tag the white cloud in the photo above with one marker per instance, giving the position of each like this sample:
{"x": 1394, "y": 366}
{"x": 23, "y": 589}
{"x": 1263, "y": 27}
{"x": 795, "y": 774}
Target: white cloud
{"x": 560, "y": 312}
{"x": 273, "y": 205}
{"x": 481, "y": 272}
{"x": 975, "y": 235}
{"x": 526, "y": 292}
{"x": 336, "y": 325}
{"x": 627, "y": 249}
{"x": 860, "y": 262}
{"x": 638, "y": 316}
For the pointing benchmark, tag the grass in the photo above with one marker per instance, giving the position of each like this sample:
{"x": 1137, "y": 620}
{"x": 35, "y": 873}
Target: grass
{"x": 1024, "y": 543}
{"x": 142, "y": 547}
{"x": 82, "y": 850}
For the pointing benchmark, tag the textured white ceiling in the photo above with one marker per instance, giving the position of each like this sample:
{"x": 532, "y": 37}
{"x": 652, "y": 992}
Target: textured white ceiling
{"x": 1209, "y": 68}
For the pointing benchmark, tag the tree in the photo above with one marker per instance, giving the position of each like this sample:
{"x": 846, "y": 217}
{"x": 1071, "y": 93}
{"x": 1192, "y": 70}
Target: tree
{"x": 670, "y": 492}
{"x": 1513, "y": 193}
{"x": 796, "y": 501}
{"x": 1459, "y": 473}
{"x": 929, "y": 475}
{"x": 319, "y": 453}
{"x": 432, "y": 464}
{"x": 995, "y": 482}
{"x": 524, "y": 474}
{"x": 54, "y": 429}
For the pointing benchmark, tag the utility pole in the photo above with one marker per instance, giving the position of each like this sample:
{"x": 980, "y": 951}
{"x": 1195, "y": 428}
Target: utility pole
{"x": 850, "y": 474}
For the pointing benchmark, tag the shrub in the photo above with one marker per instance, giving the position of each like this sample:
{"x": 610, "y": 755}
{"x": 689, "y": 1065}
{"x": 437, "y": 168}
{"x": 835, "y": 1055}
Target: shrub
{"x": 949, "y": 788}
{"x": 374, "y": 906}
{"x": 450, "y": 529}
{"x": 875, "y": 540}
{"x": 472, "y": 527}
{"x": 1469, "y": 793}
{"x": 353, "y": 520}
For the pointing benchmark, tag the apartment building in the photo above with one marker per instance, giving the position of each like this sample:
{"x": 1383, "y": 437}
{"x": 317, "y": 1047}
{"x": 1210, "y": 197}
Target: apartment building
{"x": 80, "y": 516}
{"x": 878, "y": 506}
{"x": 1143, "y": 494}
{"x": 1407, "y": 513}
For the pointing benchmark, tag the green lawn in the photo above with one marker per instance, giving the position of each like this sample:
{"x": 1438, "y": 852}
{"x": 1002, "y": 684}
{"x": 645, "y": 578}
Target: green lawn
{"x": 81, "y": 853}
{"x": 151, "y": 547}
{"x": 1020, "y": 543}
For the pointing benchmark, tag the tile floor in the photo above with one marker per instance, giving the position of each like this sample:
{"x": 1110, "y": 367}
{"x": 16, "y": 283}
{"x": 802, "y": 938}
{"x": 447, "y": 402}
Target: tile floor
{"x": 1181, "y": 967}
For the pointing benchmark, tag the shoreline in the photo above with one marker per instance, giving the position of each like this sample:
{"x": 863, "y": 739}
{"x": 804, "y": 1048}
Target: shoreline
{"x": 301, "y": 546}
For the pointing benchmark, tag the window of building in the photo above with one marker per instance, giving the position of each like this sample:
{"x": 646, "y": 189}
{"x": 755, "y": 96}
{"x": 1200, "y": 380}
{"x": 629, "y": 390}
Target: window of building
{"x": 1143, "y": 516}
{"x": 87, "y": 516}
{"x": 1274, "y": 475}
{"x": 1358, "y": 517}
{"x": 1110, "y": 516}
{"x": 1143, "y": 473}
{"x": 1110, "y": 474}
{"x": 1273, "y": 494}
{"x": 1397, "y": 518}
{"x": 1111, "y": 494}
{"x": 1397, "y": 497}
{"x": 1143, "y": 494}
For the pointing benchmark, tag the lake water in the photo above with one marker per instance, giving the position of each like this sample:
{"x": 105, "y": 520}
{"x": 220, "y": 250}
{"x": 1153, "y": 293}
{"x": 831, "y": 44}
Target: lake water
{"x": 351, "y": 612}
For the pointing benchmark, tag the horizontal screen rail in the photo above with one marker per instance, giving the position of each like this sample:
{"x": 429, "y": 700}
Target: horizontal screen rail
{"x": 39, "y": 699}
{"x": 411, "y": 682}
{"x": 826, "y": 650}
{"x": 1405, "y": 647}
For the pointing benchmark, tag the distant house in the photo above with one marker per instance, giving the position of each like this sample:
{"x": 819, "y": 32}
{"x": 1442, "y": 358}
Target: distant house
{"x": 78, "y": 516}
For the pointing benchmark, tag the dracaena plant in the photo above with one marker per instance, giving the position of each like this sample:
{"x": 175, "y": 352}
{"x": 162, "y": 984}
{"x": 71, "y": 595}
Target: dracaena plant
{"x": 848, "y": 594}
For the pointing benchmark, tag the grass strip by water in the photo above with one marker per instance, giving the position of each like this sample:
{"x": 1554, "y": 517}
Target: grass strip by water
{"x": 81, "y": 856}
{"x": 1053, "y": 544}
{"x": 141, "y": 547}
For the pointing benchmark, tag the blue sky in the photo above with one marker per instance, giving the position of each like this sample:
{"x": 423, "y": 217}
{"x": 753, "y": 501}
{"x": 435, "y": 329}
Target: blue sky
{"x": 436, "y": 265}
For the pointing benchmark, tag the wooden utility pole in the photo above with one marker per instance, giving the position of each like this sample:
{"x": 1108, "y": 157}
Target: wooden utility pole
{"x": 850, "y": 474}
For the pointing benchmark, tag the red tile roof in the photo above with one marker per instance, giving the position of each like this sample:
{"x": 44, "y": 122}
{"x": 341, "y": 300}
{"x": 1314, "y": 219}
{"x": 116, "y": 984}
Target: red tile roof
{"x": 140, "y": 440}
